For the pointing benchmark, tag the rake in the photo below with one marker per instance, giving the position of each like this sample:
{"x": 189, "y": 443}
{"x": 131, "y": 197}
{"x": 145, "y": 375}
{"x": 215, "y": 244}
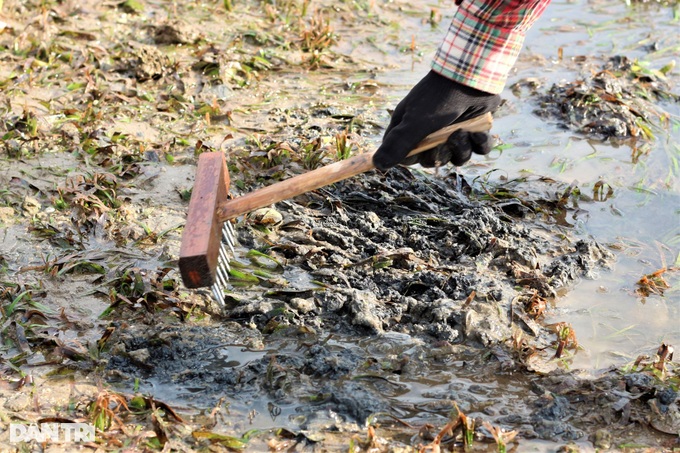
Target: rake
{"x": 209, "y": 239}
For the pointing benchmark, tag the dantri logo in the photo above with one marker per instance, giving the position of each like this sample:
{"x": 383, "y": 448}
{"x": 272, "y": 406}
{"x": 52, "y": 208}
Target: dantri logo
{"x": 51, "y": 432}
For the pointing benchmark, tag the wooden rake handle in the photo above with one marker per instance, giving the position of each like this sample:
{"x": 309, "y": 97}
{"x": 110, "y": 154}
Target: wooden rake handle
{"x": 335, "y": 172}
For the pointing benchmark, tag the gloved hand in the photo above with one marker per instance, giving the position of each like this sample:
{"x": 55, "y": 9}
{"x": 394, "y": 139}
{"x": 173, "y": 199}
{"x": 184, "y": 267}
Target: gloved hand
{"x": 435, "y": 102}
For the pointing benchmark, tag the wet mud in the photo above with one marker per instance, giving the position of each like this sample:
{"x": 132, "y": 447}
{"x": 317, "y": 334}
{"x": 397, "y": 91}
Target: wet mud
{"x": 416, "y": 299}
{"x": 618, "y": 101}
{"x": 364, "y": 316}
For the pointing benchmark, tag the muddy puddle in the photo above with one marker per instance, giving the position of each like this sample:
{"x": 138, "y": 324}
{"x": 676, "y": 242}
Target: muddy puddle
{"x": 638, "y": 219}
{"x": 527, "y": 300}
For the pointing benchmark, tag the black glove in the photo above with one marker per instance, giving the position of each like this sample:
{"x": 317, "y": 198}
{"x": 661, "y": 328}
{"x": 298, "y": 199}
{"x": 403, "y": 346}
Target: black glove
{"x": 435, "y": 102}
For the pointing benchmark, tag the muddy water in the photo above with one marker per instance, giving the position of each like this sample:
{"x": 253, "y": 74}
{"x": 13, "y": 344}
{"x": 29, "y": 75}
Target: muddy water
{"x": 642, "y": 218}
{"x": 613, "y": 325}
{"x": 396, "y": 334}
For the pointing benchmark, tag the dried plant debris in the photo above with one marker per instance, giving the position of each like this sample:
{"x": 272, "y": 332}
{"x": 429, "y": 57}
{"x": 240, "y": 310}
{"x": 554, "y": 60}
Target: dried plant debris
{"x": 641, "y": 394}
{"x": 618, "y": 102}
{"x": 33, "y": 333}
{"x": 654, "y": 283}
{"x": 540, "y": 198}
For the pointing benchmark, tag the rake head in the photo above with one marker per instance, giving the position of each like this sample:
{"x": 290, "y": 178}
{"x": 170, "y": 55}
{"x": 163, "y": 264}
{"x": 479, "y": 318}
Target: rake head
{"x": 207, "y": 241}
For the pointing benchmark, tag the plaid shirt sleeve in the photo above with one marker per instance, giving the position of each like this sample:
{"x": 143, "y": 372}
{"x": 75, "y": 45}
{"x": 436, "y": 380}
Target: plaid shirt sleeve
{"x": 484, "y": 40}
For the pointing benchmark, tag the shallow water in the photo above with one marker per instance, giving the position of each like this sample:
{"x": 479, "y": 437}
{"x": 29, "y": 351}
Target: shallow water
{"x": 613, "y": 325}
{"x": 642, "y": 219}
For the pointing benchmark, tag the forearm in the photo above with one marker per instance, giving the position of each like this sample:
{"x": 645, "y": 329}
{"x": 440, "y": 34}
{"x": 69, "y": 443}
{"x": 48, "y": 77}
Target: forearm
{"x": 484, "y": 40}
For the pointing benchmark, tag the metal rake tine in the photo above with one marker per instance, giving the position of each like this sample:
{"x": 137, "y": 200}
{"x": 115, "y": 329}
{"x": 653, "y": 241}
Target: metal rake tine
{"x": 219, "y": 289}
{"x": 228, "y": 235}
{"x": 222, "y": 269}
{"x": 221, "y": 277}
{"x": 221, "y": 274}
{"x": 224, "y": 260}
{"x": 218, "y": 294}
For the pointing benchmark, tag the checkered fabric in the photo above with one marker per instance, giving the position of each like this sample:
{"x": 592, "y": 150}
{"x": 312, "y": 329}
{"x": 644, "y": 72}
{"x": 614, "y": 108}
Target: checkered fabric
{"x": 484, "y": 40}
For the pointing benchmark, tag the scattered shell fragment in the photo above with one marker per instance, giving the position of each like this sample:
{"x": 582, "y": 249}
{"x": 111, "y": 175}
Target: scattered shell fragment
{"x": 266, "y": 216}
{"x": 31, "y": 206}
